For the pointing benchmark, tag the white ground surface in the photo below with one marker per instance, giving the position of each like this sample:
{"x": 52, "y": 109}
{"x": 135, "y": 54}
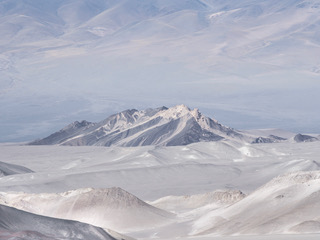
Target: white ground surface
{"x": 266, "y": 237}
{"x": 199, "y": 184}
{"x": 154, "y": 172}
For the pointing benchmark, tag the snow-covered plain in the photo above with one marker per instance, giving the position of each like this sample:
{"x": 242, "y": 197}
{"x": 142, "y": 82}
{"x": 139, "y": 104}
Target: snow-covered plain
{"x": 199, "y": 191}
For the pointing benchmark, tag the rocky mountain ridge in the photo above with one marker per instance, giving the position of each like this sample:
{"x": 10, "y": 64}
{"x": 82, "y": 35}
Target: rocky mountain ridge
{"x": 173, "y": 126}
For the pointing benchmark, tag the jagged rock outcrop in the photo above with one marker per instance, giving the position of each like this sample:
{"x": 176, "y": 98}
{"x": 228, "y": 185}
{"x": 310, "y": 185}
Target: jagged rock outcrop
{"x": 270, "y": 139}
{"x": 304, "y": 138}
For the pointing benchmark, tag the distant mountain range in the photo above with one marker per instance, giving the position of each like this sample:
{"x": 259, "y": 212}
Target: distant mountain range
{"x": 65, "y": 59}
{"x": 173, "y": 126}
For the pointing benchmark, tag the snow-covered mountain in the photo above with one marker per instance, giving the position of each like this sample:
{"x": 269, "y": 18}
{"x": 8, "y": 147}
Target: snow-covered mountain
{"x": 161, "y": 126}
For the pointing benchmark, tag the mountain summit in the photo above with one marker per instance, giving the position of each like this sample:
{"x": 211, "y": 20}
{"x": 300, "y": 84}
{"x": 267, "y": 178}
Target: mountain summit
{"x": 173, "y": 126}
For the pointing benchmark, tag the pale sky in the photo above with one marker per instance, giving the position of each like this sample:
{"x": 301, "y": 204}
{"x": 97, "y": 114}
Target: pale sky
{"x": 254, "y": 64}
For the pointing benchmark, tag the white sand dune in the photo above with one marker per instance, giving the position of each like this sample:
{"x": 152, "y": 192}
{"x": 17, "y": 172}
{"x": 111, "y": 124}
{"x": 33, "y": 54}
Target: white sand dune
{"x": 111, "y": 208}
{"x": 154, "y": 172}
{"x": 286, "y": 204}
{"x": 189, "y": 202}
{"x": 184, "y": 180}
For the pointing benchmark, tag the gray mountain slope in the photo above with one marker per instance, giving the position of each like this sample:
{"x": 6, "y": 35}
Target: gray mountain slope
{"x": 17, "y": 224}
{"x": 161, "y": 126}
{"x": 11, "y": 169}
{"x": 304, "y": 138}
{"x": 67, "y": 132}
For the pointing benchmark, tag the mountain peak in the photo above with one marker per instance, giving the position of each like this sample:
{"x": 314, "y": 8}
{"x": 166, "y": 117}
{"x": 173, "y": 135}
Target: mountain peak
{"x": 78, "y": 124}
{"x": 176, "y": 111}
{"x": 181, "y": 107}
{"x": 180, "y": 111}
